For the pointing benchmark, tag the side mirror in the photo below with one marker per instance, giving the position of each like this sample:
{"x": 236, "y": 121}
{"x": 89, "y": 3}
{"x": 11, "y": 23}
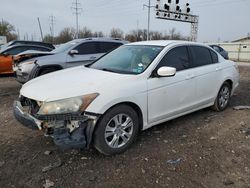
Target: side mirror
{"x": 73, "y": 52}
{"x": 166, "y": 71}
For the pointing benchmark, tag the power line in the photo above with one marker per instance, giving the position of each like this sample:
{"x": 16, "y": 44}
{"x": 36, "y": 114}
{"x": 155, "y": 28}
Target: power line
{"x": 52, "y": 24}
{"x": 40, "y": 28}
{"x": 77, "y": 11}
{"x": 149, "y": 9}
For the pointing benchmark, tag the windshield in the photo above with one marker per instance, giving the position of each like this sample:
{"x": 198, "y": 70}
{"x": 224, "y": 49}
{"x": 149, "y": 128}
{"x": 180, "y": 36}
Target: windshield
{"x": 128, "y": 59}
{"x": 64, "y": 47}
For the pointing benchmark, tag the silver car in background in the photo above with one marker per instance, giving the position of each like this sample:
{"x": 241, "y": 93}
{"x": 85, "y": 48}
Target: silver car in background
{"x": 74, "y": 53}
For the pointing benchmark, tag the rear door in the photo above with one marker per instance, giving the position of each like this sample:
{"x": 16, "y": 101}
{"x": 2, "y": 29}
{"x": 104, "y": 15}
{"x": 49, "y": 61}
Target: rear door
{"x": 171, "y": 96}
{"x": 208, "y": 73}
{"x": 105, "y": 47}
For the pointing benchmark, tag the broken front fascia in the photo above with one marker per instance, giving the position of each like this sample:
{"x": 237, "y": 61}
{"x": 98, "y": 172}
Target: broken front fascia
{"x": 71, "y": 130}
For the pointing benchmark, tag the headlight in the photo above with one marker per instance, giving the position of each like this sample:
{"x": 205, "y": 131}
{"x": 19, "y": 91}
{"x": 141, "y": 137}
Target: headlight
{"x": 71, "y": 105}
{"x": 28, "y": 63}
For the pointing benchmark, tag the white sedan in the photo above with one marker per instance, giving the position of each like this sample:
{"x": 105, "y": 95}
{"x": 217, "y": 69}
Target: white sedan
{"x": 132, "y": 88}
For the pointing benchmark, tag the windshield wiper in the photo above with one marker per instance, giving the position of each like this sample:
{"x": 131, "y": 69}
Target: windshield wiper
{"x": 109, "y": 70}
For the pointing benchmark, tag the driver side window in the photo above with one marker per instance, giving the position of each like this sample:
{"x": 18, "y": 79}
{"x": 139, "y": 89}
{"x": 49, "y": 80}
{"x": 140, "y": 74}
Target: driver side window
{"x": 177, "y": 57}
{"x": 87, "y": 48}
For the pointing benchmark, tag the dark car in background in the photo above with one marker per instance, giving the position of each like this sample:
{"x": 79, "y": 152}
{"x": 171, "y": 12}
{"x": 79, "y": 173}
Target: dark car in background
{"x": 220, "y": 50}
{"x": 73, "y": 53}
{"x": 24, "y": 42}
{"x": 7, "y": 54}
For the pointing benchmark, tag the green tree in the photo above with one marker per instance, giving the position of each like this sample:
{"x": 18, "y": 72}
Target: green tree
{"x": 8, "y": 30}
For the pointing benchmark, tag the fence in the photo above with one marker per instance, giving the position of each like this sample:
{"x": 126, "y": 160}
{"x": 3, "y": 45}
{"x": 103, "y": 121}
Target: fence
{"x": 237, "y": 51}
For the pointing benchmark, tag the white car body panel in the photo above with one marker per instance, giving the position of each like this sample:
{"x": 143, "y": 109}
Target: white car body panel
{"x": 159, "y": 99}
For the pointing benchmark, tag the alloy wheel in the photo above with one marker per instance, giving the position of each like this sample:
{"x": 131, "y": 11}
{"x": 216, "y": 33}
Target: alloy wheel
{"x": 118, "y": 131}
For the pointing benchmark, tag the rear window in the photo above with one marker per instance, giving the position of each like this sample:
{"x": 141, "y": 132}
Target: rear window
{"x": 201, "y": 56}
{"x": 214, "y": 57}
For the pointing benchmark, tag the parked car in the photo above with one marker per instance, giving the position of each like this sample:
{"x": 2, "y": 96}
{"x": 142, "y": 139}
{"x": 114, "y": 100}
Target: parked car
{"x": 71, "y": 54}
{"x": 25, "y": 42}
{"x": 220, "y": 50}
{"x": 133, "y": 88}
{"x": 6, "y": 55}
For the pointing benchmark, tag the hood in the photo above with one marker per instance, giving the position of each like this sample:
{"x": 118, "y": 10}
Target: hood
{"x": 29, "y": 55}
{"x": 72, "y": 82}
{"x": 35, "y": 52}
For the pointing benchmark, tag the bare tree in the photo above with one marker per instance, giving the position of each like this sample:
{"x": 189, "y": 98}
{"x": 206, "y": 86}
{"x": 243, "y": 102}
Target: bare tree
{"x": 67, "y": 34}
{"x": 48, "y": 38}
{"x": 116, "y": 33}
{"x": 85, "y": 33}
{"x": 98, "y": 34}
{"x": 136, "y": 35}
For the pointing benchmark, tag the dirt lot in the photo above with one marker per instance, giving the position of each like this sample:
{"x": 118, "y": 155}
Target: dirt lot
{"x": 208, "y": 149}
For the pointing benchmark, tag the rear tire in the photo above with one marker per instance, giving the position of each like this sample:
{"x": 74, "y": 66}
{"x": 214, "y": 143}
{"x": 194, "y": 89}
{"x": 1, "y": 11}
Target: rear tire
{"x": 116, "y": 130}
{"x": 223, "y": 98}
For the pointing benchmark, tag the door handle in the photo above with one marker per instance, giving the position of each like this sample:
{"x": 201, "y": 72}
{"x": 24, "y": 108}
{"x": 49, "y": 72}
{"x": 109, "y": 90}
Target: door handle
{"x": 92, "y": 58}
{"x": 191, "y": 76}
{"x": 218, "y": 69}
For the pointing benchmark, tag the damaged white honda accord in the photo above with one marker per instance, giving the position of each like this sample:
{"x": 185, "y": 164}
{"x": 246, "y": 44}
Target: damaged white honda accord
{"x": 132, "y": 88}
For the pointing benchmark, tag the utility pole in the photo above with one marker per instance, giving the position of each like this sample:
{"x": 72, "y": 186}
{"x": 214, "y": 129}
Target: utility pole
{"x": 149, "y": 10}
{"x": 41, "y": 31}
{"x": 52, "y": 23}
{"x": 77, "y": 11}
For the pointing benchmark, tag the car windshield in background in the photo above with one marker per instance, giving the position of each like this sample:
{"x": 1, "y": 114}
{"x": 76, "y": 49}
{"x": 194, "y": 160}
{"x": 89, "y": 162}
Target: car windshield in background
{"x": 5, "y": 46}
{"x": 128, "y": 59}
{"x": 64, "y": 47}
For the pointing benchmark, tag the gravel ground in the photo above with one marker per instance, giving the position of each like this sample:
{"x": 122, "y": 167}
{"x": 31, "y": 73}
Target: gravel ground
{"x": 203, "y": 149}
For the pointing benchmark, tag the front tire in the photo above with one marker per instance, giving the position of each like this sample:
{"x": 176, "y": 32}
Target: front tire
{"x": 223, "y": 98}
{"x": 116, "y": 130}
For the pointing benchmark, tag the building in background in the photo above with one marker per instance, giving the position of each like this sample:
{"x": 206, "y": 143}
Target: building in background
{"x": 243, "y": 40}
{"x": 3, "y": 40}
{"x": 238, "y": 50}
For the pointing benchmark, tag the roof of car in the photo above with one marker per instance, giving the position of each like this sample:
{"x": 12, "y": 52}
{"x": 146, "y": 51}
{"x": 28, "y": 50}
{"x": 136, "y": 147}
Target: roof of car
{"x": 23, "y": 45}
{"x": 99, "y": 39}
{"x": 163, "y": 42}
{"x": 16, "y": 42}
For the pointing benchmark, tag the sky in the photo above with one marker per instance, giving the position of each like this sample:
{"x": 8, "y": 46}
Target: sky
{"x": 219, "y": 20}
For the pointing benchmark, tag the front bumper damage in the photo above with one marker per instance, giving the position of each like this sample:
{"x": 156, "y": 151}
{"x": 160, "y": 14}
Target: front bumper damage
{"x": 69, "y": 131}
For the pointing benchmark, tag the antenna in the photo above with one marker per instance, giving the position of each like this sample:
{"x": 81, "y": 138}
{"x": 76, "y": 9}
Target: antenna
{"x": 77, "y": 11}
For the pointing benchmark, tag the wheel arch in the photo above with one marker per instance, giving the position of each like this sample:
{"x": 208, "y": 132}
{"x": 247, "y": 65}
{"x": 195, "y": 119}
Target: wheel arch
{"x": 230, "y": 82}
{"x": 52, "y": 66}
{"x": 132, "y": 105}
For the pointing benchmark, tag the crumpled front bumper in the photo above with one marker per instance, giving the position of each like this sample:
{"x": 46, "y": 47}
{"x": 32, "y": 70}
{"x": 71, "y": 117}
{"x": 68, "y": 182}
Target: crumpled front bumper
{"x": 79, "y": 138}
{"x": 24, "y": 118}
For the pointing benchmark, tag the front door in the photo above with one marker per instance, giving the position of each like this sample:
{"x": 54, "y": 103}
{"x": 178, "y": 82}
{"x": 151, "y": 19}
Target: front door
{"x": 171, "y": 96}
{"x": 87, "y": 53}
